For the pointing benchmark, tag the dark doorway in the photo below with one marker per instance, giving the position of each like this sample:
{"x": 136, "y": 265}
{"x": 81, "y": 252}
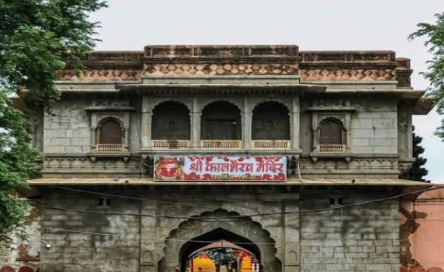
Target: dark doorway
{"x": 331, "y": 132}
{"x": 171, "y": 121}
{"x": 271, "y": 121}
{"x": 221, "y": 121}
{"x": 110, "y": 132}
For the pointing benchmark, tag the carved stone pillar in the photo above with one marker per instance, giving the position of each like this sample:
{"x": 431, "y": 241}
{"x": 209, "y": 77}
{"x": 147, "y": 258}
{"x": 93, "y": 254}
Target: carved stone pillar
{"x": 246, "y": 125}
{"x": 295, "y": 124}
{"x": 196, "y": 124}
{"x": 348, "y": 139}
{"x": 315, "y": 136}
{"x": 126, "y": 139}
{"x": 93, "y": 138}
{"x": 146, "y": 123}
{"x": 292, "y": 250}
{"x": 148, "y": 251}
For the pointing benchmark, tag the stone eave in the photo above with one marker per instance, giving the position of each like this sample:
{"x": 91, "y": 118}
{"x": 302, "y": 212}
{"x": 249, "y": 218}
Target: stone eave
{"x": 289, "y": 182}
{"x": 221, "y": 59}
{"x": 424, "y": 106}
{"x": 221, "y": 88}
{"x": 348, "y": 65}
{"x": 402, "y": 93}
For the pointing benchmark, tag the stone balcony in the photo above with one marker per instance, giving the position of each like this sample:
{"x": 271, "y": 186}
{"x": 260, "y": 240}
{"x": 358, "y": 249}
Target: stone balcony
{"x": 220, "y": 144}
{"x": 331, "y": 148}
{"x": 271, "y": 144}
{"x": 111, "y": 148}
{"x": 171, "y": 144}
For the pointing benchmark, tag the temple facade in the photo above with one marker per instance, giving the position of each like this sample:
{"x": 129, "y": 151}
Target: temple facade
{"x": 152, "y": 155}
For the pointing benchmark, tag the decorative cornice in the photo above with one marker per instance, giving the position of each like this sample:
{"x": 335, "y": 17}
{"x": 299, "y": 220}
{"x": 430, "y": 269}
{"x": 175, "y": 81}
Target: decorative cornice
{"x": 218, "y": 60}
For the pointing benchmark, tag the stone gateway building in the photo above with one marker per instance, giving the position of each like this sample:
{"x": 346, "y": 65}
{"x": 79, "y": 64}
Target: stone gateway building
{"x": 293, "y": 156}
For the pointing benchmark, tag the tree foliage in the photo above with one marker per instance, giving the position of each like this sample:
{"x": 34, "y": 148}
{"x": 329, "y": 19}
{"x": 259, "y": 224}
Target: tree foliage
{"x": 37, "y": 38}
{"x": 17, "y": 163}
{"x": 434, "y": 34}
{"x": 417, "y": 172}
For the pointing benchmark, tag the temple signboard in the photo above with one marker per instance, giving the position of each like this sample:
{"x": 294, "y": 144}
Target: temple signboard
{"x": 220, "y": 168}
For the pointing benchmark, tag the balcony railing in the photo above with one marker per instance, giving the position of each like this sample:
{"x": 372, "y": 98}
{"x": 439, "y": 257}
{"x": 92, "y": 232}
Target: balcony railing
{"x": 221, "y": 144}
{"x": 331, "y": 148}
{"x": 109, "y": 147}
{"x": 271, "y": 144}
{"x": 170, "y": 144}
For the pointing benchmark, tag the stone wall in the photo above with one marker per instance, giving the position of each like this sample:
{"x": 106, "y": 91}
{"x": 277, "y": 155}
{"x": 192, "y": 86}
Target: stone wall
{"x": 373, "y": 126}
{"x": 81, "y": 249}
{"x": 68, "y": 130}
{"x": 364, "y": 238}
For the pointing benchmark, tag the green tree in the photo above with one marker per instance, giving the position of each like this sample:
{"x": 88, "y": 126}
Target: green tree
{"x": 434, "y": 34}
{"x": 417, "y": 172}
{"x": 37, "y": 38}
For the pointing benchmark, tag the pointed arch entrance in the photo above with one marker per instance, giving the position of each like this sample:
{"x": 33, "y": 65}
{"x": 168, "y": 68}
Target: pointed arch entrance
{"x": 193, "y": 234}
{"x": 233, "y": 244}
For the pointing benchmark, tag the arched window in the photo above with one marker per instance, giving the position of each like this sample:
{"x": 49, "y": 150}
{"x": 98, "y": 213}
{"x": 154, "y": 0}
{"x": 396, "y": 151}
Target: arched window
{"x": 110, "y": 132}
{"x": 271, "y": 122}
{"x": 171, "y": 121}
{"x": 221, "y": 121}
{"x": 332, "y": 133}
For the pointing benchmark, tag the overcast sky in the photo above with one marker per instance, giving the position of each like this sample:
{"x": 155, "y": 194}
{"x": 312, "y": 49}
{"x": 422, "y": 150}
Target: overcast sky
{"x": 310, "y": 24}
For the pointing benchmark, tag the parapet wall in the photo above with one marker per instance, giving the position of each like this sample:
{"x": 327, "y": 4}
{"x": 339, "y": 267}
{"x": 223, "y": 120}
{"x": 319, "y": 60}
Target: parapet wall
{"x": 244, "y": 60}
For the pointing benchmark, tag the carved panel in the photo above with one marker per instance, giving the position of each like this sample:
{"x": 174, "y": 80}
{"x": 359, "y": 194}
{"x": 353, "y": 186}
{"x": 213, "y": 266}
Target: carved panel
{"x": 330, "y": 102}
{"x": 83, "y": 165}
{"x": 356, "y": 164}
{"x": 347, "y": 74}
{"x": 220, "y": 69}
{"x": 99, "y": 75}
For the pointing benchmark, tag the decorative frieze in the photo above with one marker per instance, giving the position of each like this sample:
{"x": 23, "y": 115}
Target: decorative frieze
{"x": 347, "y": 56}
{"x": 347, "y": 74}
{"x": 99, "y": 75}
{"x": 220, "y": 69}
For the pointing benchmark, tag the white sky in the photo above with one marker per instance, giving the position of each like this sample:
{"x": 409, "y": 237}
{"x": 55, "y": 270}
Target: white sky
{"x": 310, "y": 24}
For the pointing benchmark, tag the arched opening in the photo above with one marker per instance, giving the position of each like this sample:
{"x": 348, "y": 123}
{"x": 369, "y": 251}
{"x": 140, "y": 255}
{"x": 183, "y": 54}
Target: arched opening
{"x": 271, "y": 121}
{"x": 171, "y": 121}
{"x": 229, "y": 251}
{"x": 194, "y": 235}
{"x": 110, "y": 132}
{"x": 332, "y": 132}
{"x": 332, "y": 136}
{"x": 221, "y": 121}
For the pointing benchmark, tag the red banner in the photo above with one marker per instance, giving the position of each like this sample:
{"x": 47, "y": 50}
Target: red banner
{"x": 213, "y": 168}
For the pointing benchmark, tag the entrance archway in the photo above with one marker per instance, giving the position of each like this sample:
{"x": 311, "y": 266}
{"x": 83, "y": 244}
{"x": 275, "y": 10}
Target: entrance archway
{"x": 227, "y": 240}
{"x": 197, "y": 233}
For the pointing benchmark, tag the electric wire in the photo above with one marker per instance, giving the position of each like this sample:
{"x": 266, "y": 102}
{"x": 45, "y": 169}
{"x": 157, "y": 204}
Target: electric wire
{"x": 340, "y": 207}
{"x": 128, "y": 197}
{"x": 126, "y": 236}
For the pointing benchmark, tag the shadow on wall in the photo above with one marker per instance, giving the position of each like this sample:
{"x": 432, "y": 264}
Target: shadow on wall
{"x": 20, "y": 269}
